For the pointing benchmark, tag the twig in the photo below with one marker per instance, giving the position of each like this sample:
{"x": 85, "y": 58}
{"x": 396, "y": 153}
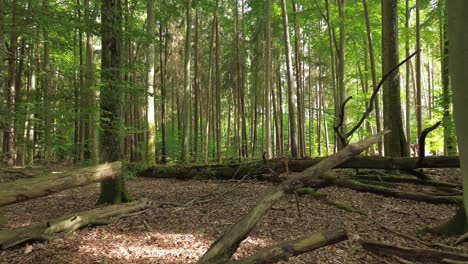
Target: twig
{"x": 298, "y": 206}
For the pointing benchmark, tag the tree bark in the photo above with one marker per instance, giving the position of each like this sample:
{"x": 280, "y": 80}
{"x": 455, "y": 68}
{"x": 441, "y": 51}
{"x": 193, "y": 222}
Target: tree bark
{"x": 395, "y": 142}
{"x": 290, "y": 84}
{"x": 458, "y": 63}
{"x": 268, "y": 67}
{"x": 113, "y": 190}
{"x": 22, "y": 190}
{"x": 186, "y": 110}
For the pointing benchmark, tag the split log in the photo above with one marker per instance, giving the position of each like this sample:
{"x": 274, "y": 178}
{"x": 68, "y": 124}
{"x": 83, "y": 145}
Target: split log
{"x": 381, "y": 190}
{"x": 257, "y": 169}
{"x": 69, "y": 224}
{"x": 223, "y": 248}
{"x": 285, "y": 250}
{"x": 25, "y": 189}
{"x": 412, "y": 253}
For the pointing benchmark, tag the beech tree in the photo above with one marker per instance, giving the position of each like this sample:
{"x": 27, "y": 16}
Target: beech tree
{"x": 112, "y": 190}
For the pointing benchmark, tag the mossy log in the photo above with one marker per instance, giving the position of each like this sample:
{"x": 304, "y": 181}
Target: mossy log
{"x": 381, "y": 190}
{"x": 25, "y": 189}
{"x": 69, "y": 224}
{"x": 422, "y": 254}
{"x": 284, "y": 250}
{"x": 222, "y": 249}
{"x": 258, "y": 169}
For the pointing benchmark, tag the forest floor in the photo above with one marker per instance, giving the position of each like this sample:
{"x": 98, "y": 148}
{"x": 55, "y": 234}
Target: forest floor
{"x": 181, "y": 234}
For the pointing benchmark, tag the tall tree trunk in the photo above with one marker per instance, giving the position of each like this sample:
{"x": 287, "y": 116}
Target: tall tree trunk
{"x": 341, "y": 69}
{"x": 407, "y": 77}
{"x": 113, "y": 190}
{"x": 186, "y": 96}
{"x": 299, "y": 84}
{"x": 418, "y": 73}
{"x": 46, "y": 90}
{"x": 267, "y": 69}
{"x": 196, "y": 90}
{"x": 395, "y": 142}
{"x": 151, "y": 113}
{"x": 163, "y": 52}
{"x": 291, "y": 95}
{"x": 458, "y": 52}
{"x": 370, "y": 44}
{"x": 11, "y": 89}
{"x": 90, "y": 82}
{"x": 449, "y": 128}
{"x": 218, "y": 88}
{"x": 2, "y": 80}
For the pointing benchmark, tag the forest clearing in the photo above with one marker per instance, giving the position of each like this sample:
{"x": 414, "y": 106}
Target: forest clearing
{"x": 246, "y": 131}
{"x": 175, "y": 229}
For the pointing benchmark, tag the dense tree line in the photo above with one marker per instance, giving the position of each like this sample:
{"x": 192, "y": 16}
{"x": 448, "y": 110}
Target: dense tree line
{"x": 201, "y": 81}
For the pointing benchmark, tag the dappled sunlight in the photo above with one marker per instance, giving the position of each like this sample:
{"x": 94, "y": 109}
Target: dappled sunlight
{"x": 160, "y": 246}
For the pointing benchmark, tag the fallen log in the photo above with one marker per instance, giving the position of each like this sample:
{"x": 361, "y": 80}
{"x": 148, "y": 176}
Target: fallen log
{"x": 402, "y": 179}
{"x": 69, "y": 224}
{"x": 381, "y": 190}
{"x": 223, "y": 248}
{"x": 412, "y": 253}
{"x": 258, "y": 168}
{"x": 25, "y": 189}
{"x": 285, "y": 250}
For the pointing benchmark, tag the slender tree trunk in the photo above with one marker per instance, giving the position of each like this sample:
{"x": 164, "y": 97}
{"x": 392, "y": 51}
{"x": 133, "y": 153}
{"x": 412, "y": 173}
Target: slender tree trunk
{"x": 46, "y": 90}
{"x": 341, "y": 69}
{"x": 291, "y": 95}
{"x": 186, "y": 110}
{"x": 151, "y": 113}
{"x": 218, "y": 88}
{"x": 2, "y": 80}
{"x": 418, "y": 73}
{"x": 196, "y": 88}
{"x": 11, "y": 89}
{"x": 299, "y": 84}
{"x": 370, "y": 44}
{"x": 407, "y": 76}
{"x": 269, "y": 152}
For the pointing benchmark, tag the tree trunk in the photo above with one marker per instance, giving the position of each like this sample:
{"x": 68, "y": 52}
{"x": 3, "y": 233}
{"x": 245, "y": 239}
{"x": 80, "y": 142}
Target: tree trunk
{"x": 450, "y": 147}
{"x": 114, "y": 190}
{"x": 163, "y": 67}
{"x": 395, "y": 142}
{"x": 341, "y": 69}
{"x": 269, "y": 152}
{"x": 91, "y": 89}
{"x": 370, "y": 44}
{"x": 2, "y": 80}
{"x": 418, "y": 73}
{"x": 46, "y": 90}
{"x": 151, "y": 113}
{"x": 22, "y": 190}
{"x": 290, "y": 84}
{"x": 11, "y": 88}
{"x": 458, "y": 35}
{"x": 186, "y": 96}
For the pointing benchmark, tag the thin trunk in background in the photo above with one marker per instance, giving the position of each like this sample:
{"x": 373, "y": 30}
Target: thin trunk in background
{"x": 290, "y": 83}
{"x": 370, "y": 44}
